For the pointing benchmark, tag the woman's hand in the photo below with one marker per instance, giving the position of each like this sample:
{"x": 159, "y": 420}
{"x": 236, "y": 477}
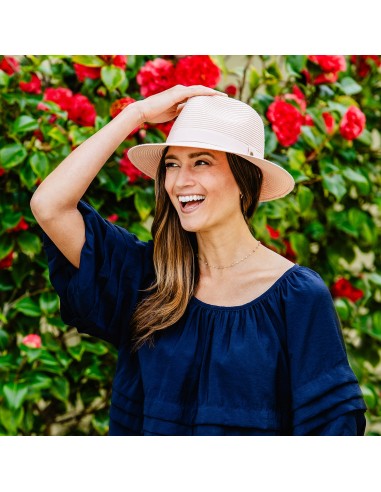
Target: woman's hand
{"x": 168, "y": 104}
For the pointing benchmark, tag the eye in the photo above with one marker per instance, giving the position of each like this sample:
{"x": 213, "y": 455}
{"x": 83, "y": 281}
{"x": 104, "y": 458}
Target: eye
{"x": 169, "y": 164}
{"x": 203, "y": 162}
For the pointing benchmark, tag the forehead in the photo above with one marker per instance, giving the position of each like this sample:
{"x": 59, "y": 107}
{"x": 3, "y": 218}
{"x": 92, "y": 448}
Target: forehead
{"x": 182, "y": 152}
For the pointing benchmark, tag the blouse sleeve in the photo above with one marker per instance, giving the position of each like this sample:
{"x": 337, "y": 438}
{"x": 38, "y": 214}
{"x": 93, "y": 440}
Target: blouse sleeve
{"x": 325, "y": 394}
{"x": 99, "y": 297}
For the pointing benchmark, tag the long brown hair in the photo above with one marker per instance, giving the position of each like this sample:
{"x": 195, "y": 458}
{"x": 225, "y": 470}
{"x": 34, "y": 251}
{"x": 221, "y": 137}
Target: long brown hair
{"x": 177, "y": 272}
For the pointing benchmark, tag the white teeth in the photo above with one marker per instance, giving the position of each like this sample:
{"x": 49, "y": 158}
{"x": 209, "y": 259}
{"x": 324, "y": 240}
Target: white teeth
{"x": 191, "y": 198}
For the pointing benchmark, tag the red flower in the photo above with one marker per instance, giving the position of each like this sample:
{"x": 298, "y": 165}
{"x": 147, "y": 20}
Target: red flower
{"x": 6, "y": 262}
{"x": 9, "y": 65}
{"x": 352, "y": 123}
{"x": 129, "y": 169}
{"x": 197, "y": 69}
{"x": 274, "y": 234}
{"x": 231, "y": 90}
{"x": 308, "y": 121}
{"x": 329, "y": 121}
{"x": 343, "y": 288}
{"x": 113, "y": 218}
{"x": 290, "y": 253}
{"x": 82, "y": 72}
{"x": 81, "y": 111}
{"x": 33, "y": 86}
{"x": 156, "y": 76}
{"x": 362, "y": 63}
{"x": 60, "y": 95}
{"x": 21, "y": 226}
{"x": 329, "y": 63}
{"x": 2, "y": 171}
{"x": 116, "y": 60}
{"x": 118, "y": 106}
{"x": 326, "y": 78}
{"x": 165, "y": 127}
{"x": 286, "y": 121}
{"x": 32, "y": 341}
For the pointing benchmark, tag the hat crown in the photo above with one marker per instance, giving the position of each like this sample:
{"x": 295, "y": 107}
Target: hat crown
{"x": 232, "y": 119}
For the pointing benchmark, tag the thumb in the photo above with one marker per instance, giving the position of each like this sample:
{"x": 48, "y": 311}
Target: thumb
{"x": 179, "y": 108}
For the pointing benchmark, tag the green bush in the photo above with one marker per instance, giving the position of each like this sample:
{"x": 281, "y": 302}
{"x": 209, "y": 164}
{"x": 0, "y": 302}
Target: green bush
{"x": 321, "y": 119}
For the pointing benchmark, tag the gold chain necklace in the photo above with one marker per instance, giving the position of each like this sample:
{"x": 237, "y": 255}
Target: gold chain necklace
{"x": 235, "y": 263}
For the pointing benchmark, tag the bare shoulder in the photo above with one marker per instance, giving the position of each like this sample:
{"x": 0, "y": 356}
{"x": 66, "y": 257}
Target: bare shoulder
{"x": 274, "y": 262}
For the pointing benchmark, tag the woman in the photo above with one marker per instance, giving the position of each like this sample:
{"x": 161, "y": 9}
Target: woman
{"x": 216, "y": 334}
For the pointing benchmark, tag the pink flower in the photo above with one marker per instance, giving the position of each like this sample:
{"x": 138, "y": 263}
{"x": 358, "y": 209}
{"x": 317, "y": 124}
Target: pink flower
{"x": 197, "y": 70}
{"x": 32, "y": 341}
{"x": 129, "y": 169}
{"x": 329, "y": 121}
{"x": 81, "y": 111}
{"x": 33, "y": 86}
{"x": 9, "y": 65}
{"x": 113, "y": 217}
{"x": 352, "y": 123}
{"x": 156, "y": 76}
{"x": 60, "y": 95}
{"x": 7, "y": 261}
{"x": 286, "y": 121}
{"x": 21, "y": 226}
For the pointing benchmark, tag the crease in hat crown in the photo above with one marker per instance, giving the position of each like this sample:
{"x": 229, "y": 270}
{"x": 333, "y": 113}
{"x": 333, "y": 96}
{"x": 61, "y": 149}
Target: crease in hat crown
{"x": 218, "y": 123}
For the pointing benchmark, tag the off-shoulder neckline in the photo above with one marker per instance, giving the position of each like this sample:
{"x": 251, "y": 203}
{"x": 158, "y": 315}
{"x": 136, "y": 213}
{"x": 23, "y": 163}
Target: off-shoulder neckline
{"x": 197, "y": 302}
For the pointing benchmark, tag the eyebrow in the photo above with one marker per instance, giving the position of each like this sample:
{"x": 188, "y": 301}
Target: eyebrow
{"x": 194, "y": 154}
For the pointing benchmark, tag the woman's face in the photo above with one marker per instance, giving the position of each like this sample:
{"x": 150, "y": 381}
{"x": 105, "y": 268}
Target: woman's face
{"x": 206, "y": 173}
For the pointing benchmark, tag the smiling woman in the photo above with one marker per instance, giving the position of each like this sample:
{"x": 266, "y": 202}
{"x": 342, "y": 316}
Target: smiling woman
{"x": 217, "y": 334}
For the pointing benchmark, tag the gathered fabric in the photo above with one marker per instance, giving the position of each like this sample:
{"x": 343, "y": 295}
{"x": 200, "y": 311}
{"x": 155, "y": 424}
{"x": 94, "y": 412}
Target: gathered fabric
{"x": 276, "y": 365}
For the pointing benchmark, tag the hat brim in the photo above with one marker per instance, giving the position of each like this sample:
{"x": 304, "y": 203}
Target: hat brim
{"x": 277, "y": 182}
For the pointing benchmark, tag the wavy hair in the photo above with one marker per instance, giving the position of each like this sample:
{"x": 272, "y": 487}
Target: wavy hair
{"x": 174, "y": 253}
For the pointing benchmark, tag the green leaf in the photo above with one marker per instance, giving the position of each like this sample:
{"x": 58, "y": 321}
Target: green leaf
{"x": 140, "y": 231}
{"x": 88, "y": 60}
{"x": 10, "y": 219}
{"x": 4, "y": 339}
{"x": 12, "y": 155}
{"x": 57, "y": 135}
{"x": 311, "y": 137}
{"x": 254, "y": 78}
{"x": 375, "y": 278}
{"x": 94, "y": 372}
{"x": 300, "y": 244}
{"x": 100, "y": 422}
{"x": 349, "y": 86}
{"x": 97, "y": 348}
{"x": 342, "y": 307}
{"x": 296, "y": 62}
{"x": 24, "y": 124}
{"x": 4, "y": 79}
{"x": 11, "y": 419}
{"x": 305, "y": 199}
{"x": 370, "y": 395}
{"x": 28, "y": 307}
{"x": 143, "y": 203}
{"x": 49, "y": 302}
{"x": 112, "y": 77}
{"x": 271, "y": 141}
{"x": 15, "y": 394}
{"x": 49, "y": 363}
{"x": 296, "y": 158}
{"x": 60, "y": 389}
{"x": 76, "y": 351}
{"x": 27, "y": 176}
{"x": 29, "y": 243}
{"x": 79, "y": 134}
{"x": 6, "y": 245}
{"x": 365, "y": 137}
{"x": 335, "y": 184}
{"x": 39, "y": 162}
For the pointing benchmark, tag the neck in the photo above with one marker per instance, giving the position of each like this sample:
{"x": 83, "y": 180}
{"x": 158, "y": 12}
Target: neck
{"x": 223, "y": 246}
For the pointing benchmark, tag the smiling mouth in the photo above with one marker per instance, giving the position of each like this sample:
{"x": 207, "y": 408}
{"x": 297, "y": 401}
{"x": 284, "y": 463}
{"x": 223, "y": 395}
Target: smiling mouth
{"x": 188, "y": 207}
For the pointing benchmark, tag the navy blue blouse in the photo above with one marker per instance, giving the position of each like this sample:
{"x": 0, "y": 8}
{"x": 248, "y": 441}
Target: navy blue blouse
{"x": 276, "y": 365}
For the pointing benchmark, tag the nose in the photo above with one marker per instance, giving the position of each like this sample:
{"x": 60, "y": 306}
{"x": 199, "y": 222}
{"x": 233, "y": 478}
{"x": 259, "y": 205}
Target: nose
{"x": 184, "y": 177}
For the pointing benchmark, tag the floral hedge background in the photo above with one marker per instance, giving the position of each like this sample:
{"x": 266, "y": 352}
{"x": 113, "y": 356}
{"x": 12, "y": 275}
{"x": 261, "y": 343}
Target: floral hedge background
{"x": 321, "y": 116}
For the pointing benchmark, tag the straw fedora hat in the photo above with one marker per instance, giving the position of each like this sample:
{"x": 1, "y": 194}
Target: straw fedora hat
{"x": 219, "y": 123}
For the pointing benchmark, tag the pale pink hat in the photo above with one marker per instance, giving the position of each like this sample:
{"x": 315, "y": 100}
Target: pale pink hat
{"x": 219, "y": 123}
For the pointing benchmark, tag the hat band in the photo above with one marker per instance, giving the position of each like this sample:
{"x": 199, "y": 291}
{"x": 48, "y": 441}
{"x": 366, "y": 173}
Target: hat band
{"x": 210, "y": 137}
